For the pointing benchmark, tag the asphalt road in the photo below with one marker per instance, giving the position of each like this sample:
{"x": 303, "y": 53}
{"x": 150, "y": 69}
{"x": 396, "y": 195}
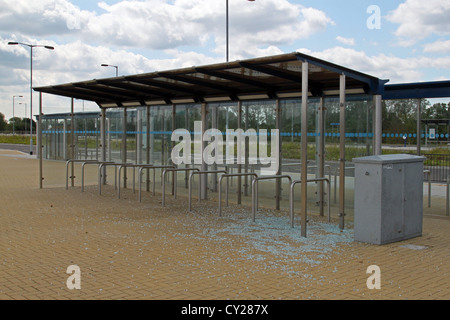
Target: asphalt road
{"x": 19, "y": 147}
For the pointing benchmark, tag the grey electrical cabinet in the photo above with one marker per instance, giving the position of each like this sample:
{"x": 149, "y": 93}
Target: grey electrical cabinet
{"x": 388, "y": 198}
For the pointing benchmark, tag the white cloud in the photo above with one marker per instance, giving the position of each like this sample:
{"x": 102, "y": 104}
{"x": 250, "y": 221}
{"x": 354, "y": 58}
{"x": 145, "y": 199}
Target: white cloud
{"x": 76, "y": 61}
{"x": 420, "y": 19}
{"x": 347, "y": 41}
{"x": 438, "y": 46}
{"x": 382, "y": 66}
{"x": 83, "y": 39}
{"x": 164, "y": 24}
{"x": 41, "y": 17}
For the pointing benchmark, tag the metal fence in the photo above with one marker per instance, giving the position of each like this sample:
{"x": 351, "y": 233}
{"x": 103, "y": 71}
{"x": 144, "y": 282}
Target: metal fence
{"x": 439, "y": 166}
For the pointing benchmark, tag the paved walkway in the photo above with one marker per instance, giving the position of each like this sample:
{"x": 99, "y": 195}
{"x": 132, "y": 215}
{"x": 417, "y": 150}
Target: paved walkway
{"x": 131, "y": 250}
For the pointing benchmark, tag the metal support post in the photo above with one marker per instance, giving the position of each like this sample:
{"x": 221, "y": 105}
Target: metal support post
{"x": 174, "y": 175}
{"x": 187, "y": 126}
{"x": 239, "y": 178}
{"x": 321, "y": 152}
{"x": 278, "y": 127}
{"x": 304, "y": 147}
{"x": 124, "y": 146}
{"x": 214, "y": 125}
{"x": 378, "y": 124}
{"x": 39, "y": 146}
{"x": 103, "y": 142}
{"x": 246, "y": 142}
{"x": 204, "y": 167}
{"x": 419, "y": 127}
{"x": 139, "y": 138}
{"x": 342, "y": 152}
{"x": 147, "y": 151}
{"x": 65, "y": 152}
{"x": 72, "y": 140}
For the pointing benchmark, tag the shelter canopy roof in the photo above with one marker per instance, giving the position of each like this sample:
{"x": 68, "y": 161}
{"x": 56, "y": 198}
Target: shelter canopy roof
{"x": 271, "y": 77}
{"x": 418, "y": 90}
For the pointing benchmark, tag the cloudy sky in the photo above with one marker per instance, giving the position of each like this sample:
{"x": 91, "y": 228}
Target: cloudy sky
{"x": 400, "y": 40}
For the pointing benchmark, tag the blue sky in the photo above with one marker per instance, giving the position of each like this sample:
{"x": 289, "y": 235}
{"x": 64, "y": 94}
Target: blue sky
{"x": 411, "y": 44}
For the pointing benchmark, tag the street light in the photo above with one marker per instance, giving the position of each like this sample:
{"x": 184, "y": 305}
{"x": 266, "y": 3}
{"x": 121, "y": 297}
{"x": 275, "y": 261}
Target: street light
{"x": 31, "y": 46}
{"x": 14, "y": 120}
{"x": 25, "y": 115}
{"x": 108, "y": 65}
{"x": 228, "y": 53}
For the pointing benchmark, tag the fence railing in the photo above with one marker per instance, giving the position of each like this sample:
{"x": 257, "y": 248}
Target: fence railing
{"x": 438, "y": 165}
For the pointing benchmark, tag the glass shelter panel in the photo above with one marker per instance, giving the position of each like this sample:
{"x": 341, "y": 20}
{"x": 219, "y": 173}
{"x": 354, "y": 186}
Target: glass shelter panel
{"x": 160, "y": 134}
{"x": 131, "y": 135}
{"x": 114, "y": 131}
{"x": 359, "y": 134}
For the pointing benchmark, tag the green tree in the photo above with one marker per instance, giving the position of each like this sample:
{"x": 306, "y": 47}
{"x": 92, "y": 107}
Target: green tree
{"x": 3, "y": 123}
{"x": 18, "y": 124}
{"x": 437, "y": 111}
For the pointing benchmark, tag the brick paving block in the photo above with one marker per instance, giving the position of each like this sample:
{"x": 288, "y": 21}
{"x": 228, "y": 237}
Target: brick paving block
{"x": 132, "y": 250}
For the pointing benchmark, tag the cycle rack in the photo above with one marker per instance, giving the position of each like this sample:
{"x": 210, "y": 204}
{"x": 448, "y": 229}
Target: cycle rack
{"x": 255, "y": 190}
{"x": 175, "y": 182}
{"x": 67, "y": 169}
{"x": 142, "y": 167}
{"x": 90, "y": 162}
{"x": 199, "y": 187}
{"x": 335, "y": 179}
{"x": 226, "y": 190}
{"x": 127, "y": 165}
{"x": 100, "y": 174}
{"x": 291, "y": 206}
{"x": 326, "y": 166}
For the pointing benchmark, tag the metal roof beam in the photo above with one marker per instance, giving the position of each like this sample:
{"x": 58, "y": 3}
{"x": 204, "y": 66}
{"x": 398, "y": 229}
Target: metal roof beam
{"x": 142, "y": 90}
{"x": 272, "y": 71}
{"x": 196, "y": 81}
{"x": 80, "y": 93}
{"x": 113, "y": 93}
{"x": 160, "y": 84}
{"x": 315, "y": 87}
{"x": 376, "y": 85}
{"x": 235, "y": 78}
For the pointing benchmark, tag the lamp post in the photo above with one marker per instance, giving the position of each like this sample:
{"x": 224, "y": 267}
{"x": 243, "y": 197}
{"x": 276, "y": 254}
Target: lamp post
{"x": 109, "y": 65}
{"x": 25, "y": 114}
{"x": 228, "y": 49}
{"x": 31, "y": 46}
{"x": 14, "y": 120}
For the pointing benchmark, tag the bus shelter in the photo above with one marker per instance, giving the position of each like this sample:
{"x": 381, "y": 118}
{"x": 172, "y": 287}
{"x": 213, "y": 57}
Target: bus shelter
{"x": 308, "y": 100}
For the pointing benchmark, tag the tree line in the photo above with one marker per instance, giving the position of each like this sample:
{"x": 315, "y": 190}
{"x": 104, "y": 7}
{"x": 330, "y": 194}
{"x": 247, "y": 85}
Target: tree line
{"x": 15, "y": 124}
